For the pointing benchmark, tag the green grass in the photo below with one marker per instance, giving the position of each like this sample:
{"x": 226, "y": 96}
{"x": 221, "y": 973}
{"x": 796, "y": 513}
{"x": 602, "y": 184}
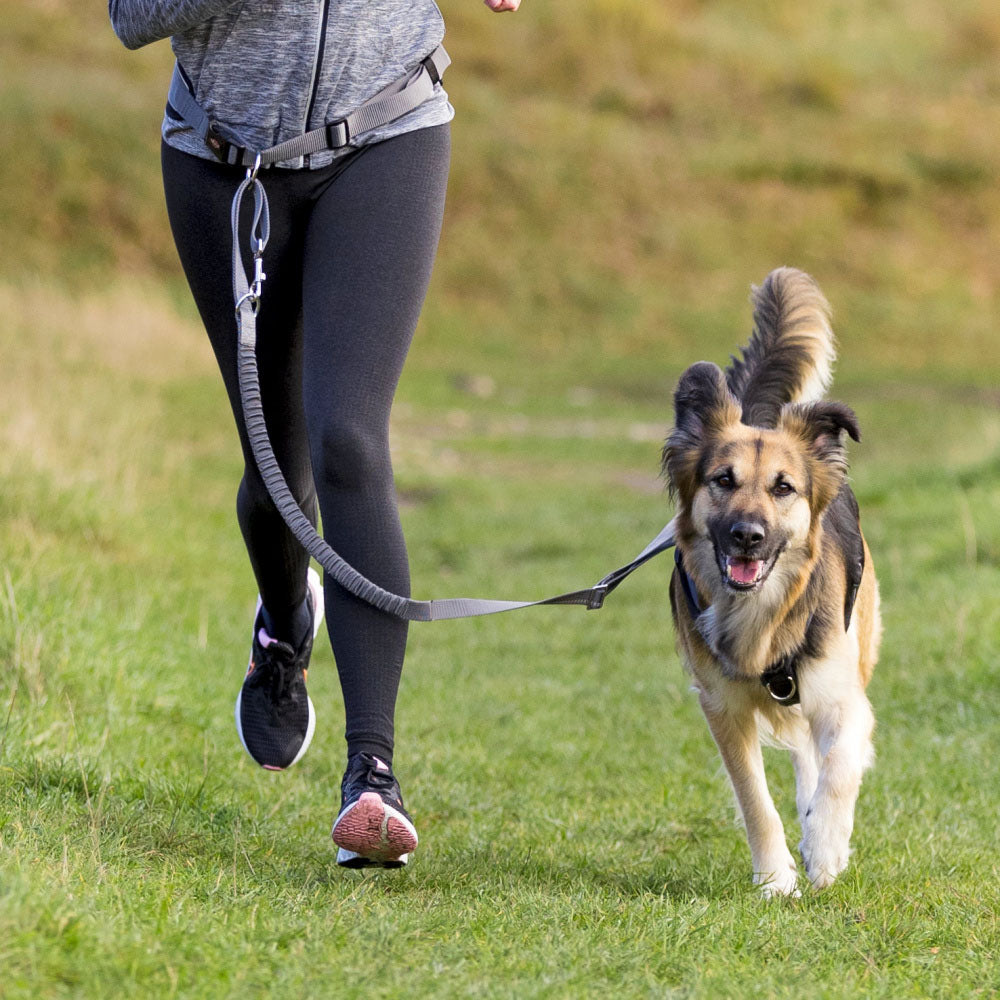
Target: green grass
{"x": 622, "y": 172}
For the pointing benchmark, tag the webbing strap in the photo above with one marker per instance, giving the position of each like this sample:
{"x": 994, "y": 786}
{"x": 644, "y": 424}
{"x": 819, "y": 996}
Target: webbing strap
{"x": 181, "y": 100}
{"x": 394, "y": 101}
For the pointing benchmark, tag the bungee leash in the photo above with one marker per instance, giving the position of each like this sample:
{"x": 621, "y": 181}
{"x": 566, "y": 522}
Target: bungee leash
{"x": 393, "y": 102}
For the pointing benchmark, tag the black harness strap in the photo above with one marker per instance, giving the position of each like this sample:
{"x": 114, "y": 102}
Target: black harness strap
{"x": 781, "y": 678}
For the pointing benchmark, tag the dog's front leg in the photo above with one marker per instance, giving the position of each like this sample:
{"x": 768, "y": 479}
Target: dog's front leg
{"x": 805, "y": 761}
{"x": 842, "y": 731}
{"x": 735, "y": 734}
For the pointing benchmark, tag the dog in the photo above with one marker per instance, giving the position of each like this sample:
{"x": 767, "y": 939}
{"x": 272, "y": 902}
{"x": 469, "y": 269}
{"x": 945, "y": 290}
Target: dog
{"x": 774, "y": 596}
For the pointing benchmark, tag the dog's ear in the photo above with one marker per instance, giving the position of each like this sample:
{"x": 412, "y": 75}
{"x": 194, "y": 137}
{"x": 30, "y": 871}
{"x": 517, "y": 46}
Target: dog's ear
{"x": 822, "y": 426}
{"x": 703, "y": 405}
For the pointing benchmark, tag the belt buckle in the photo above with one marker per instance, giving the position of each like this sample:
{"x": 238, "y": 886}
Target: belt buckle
{"x": 333, "y": 141}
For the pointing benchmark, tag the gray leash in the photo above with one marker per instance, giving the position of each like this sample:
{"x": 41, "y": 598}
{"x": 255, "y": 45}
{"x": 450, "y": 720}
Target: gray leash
{"x": 391, "y": 103}
{"x": 246, "y": 295}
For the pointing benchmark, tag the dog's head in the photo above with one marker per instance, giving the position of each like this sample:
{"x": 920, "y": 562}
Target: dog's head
{"x": 750, "y": 498}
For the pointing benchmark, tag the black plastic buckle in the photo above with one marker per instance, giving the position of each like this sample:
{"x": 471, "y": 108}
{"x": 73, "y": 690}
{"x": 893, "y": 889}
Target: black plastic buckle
{"x": 217, "y": 144}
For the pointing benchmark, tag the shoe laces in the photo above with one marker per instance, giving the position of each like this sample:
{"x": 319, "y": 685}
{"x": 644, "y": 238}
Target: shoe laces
{"x": 277, "y": 668}
{"x": 367, "y": 773}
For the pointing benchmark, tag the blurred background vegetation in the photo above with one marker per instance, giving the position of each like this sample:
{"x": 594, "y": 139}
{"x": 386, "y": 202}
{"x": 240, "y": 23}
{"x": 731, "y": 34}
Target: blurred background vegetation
{"x": 622, "y": 172}
{"x": 620, "y": 169}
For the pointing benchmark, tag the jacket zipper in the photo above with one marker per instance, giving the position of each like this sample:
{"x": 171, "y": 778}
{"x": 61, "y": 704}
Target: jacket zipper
{"x": 317, "y": 63}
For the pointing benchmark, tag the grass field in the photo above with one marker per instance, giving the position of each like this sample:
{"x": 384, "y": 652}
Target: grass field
{"x": 623, "y": 170}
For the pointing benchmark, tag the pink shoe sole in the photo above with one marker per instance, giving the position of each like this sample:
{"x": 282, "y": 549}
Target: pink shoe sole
{"x": 371, "y": 829}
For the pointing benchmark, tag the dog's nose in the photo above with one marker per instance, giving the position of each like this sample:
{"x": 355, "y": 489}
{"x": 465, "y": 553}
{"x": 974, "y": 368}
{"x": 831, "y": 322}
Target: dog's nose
{"x": 747, "y": 533}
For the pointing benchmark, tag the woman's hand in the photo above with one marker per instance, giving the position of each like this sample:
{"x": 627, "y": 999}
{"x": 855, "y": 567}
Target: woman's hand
{"x": 500, "y": 5}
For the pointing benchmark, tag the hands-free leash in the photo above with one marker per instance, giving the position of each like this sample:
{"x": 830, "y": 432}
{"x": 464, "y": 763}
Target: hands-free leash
{"x": 246, "y": 296}
{"x": 397, "y": 99}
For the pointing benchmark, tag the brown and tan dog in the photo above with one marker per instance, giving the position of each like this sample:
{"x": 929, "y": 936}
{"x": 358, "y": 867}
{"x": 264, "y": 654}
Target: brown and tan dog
{"x": 774, "y": 596}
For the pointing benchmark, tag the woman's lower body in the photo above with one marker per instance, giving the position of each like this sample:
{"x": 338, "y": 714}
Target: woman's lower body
{"x": 348, "y": 263}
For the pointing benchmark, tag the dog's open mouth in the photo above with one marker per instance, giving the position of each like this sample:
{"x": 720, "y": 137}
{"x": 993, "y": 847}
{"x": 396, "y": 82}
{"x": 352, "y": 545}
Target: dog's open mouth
{"x": 744, "y": 573}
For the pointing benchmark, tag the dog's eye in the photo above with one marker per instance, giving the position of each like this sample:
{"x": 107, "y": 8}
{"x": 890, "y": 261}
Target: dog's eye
{"x": 724, "y": 481}
{"x": 783, "y": 489}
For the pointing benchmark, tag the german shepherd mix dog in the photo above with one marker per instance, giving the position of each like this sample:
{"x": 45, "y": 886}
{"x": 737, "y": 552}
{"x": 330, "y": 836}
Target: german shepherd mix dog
{"x": 774, "y": 596}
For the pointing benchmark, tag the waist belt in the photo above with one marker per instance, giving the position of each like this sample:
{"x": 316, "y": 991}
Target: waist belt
{"x": 394, "y": 101}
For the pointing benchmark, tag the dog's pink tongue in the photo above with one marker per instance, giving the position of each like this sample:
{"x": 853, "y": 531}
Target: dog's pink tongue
{"x": 744, "y": 570}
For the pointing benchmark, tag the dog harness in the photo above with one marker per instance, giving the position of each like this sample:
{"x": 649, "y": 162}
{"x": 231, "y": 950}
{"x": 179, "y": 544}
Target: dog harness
{"x": 781, "y": 678}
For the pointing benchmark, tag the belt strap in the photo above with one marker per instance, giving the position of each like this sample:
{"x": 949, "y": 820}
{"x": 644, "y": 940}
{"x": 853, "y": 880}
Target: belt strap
{"x": 394, "y": 101}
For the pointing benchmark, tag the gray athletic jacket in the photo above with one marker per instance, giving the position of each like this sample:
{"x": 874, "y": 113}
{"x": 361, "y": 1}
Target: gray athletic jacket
{"x": 269, "y": 70}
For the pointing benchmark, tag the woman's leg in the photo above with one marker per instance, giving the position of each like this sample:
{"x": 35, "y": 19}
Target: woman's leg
{"x": 275, "y": 718}
{"x": 199, "y": 194}
{"x": 370, "y": 246}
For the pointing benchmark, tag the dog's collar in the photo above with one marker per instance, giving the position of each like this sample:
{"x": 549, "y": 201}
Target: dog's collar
{"x": 781, "y": 678}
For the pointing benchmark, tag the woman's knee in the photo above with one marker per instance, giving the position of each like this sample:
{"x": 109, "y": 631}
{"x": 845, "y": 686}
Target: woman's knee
{"x": 254, "y": 500}
{"x": 348, "y": 453}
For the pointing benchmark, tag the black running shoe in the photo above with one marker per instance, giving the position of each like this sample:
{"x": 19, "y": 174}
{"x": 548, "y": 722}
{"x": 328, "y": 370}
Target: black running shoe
{"x": 372, "y": 828}
{"x": 275, "y": 717}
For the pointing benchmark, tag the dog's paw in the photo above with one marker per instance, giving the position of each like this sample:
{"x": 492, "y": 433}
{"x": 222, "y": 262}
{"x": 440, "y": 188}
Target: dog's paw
{"x": 782, "y": 881}
{"x": 825, "y": 849}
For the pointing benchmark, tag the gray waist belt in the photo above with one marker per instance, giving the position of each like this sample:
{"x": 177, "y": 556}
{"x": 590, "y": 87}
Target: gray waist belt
{"x": 396, "y": 100}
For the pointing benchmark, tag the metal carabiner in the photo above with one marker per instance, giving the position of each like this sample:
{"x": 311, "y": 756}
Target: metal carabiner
{"x": 258, "y": 272}
{"x": 252, "y": 171}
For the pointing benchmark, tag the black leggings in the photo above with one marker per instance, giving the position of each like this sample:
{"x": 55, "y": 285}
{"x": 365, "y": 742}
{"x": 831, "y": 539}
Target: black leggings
{"x": 347, "y": 265}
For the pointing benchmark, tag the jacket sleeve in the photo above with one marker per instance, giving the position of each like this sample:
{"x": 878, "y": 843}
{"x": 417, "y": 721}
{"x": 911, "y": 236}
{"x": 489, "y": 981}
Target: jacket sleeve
{"x": 139, "y": 22}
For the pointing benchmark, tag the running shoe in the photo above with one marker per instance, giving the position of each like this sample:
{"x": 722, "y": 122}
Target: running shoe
{"x": 372, "y": 829}
{"x": 275, "y": 717}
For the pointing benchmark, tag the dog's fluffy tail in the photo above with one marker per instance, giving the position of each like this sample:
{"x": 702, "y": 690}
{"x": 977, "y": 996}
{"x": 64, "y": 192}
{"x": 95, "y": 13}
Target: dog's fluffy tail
{"x": 791, "y": 353}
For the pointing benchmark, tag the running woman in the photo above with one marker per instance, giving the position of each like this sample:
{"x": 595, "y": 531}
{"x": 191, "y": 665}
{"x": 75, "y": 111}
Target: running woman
{"x": 353, "y": 236}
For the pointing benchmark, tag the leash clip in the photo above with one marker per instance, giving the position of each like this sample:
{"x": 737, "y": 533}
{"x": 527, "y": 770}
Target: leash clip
{"x": 258, "y": 277}
{"x": 256, "y": 286}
